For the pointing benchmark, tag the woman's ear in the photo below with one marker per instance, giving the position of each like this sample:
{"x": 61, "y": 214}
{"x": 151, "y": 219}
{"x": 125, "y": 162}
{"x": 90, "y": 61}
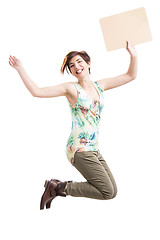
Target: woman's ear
{"x": 89, "y": 67}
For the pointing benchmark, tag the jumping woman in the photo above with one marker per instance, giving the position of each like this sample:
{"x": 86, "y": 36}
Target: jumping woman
{"x": 86, "y": 101}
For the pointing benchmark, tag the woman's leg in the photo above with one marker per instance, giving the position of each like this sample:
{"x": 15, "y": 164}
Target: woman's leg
{"x": 103, "y": 162}
{"x": 99, "y": 184}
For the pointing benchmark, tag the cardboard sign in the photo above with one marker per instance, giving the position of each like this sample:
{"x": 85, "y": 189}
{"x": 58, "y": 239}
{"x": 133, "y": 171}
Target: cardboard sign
{"x": 129, "y": 26}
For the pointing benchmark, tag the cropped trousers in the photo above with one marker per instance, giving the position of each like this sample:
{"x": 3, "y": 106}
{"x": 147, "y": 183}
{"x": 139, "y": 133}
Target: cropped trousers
{"x": 99, "y": 184}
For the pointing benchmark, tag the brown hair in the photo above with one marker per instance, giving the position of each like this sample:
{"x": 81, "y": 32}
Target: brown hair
{"x": 70, "y": 55}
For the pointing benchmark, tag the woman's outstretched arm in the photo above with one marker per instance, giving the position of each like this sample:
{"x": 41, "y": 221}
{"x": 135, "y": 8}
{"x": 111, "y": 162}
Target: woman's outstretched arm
{"x": 53, "y": 91}
{"x": 130, "y": 75}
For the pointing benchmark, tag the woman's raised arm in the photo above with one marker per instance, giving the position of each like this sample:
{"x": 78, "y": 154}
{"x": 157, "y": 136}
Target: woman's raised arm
{"x": 130, "y": 75}
{"x": 53, "y": 91}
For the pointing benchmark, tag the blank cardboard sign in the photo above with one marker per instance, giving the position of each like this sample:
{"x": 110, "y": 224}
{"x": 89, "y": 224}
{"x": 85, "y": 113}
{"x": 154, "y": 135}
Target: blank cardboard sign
{"x": 129, "y": 26}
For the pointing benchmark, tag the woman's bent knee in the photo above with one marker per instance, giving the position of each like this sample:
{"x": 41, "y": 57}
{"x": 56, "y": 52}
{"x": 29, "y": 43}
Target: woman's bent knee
{"x": 109, "y": 194}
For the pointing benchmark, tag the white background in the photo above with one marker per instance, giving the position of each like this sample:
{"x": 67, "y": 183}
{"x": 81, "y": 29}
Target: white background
{"x": 34, "y": 131}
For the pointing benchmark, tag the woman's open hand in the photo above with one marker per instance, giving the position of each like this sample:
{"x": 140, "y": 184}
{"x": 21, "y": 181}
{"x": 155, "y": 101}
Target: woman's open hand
{"x": 14, "y": 62}
{"x": 131, "y": 49}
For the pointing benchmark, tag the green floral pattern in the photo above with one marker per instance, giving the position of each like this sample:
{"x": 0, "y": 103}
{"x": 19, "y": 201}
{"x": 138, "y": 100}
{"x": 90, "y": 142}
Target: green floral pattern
{"x": 85, "y": 122}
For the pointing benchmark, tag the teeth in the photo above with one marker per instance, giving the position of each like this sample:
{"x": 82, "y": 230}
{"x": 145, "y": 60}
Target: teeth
{"x": 79, "y": 71}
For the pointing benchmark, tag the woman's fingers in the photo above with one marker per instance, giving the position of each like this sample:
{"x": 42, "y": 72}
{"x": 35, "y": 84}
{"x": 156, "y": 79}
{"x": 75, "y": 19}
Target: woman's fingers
{"x": 130, "y": 49}
{"x": 128, "y": 45}
{"x": 12, "y": 60}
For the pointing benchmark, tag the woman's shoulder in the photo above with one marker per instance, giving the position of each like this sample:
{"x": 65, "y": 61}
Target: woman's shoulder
{"x": 71, "y": 93}
{"x": 71, "y": 88}
{"x": 100, "y": 84}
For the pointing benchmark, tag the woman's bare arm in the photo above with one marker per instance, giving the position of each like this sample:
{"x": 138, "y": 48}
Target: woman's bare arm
{"x": 53, "y": 91}
{"x": 130, "y": 75}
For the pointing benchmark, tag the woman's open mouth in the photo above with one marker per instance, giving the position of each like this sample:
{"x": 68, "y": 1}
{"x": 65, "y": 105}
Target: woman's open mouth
{"x": 79, "y": 71}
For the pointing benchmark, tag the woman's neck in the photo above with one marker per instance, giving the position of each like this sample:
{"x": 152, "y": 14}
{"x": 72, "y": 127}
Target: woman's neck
{"x": 84, "y": 81}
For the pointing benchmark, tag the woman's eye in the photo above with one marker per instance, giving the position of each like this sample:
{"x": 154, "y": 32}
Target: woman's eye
{"x": 73, "y": 65}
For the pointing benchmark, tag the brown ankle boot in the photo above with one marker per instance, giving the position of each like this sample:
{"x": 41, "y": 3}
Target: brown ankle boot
{"x": 59, "y": 190}
{"x": 49, "y": 193}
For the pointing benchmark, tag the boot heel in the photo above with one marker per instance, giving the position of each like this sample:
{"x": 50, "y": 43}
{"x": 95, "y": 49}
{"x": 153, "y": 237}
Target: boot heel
{"x": 48, "y": 204}
{"x": 42, "y": 204}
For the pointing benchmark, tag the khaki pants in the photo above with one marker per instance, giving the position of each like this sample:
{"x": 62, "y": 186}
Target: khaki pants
{"x": 100, "y": 183}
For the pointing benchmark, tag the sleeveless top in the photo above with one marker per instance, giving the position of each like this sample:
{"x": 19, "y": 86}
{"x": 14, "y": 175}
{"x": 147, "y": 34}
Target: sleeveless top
{"x": 85, "y": 122}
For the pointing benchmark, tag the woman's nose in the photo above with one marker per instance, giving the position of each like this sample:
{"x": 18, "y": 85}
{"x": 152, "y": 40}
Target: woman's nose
{"x": 76, "y": 65}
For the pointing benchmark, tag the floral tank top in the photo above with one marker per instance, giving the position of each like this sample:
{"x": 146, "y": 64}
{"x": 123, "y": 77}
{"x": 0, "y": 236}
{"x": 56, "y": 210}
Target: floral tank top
{"x": 85, "y": 122}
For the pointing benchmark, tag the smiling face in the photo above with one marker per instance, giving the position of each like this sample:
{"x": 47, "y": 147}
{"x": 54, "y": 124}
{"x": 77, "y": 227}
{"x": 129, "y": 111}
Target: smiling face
{"x": 78, "y": 67}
